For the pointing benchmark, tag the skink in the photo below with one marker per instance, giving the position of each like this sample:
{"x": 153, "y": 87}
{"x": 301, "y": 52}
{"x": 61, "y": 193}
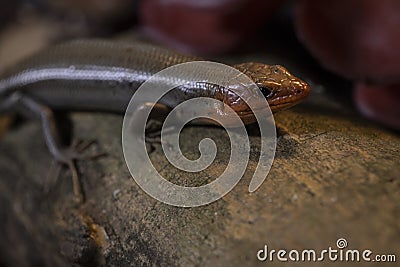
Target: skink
{"x": 103, "y": 75}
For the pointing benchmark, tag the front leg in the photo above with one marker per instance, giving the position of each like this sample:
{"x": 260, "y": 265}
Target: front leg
{"x": 154, "y": 126}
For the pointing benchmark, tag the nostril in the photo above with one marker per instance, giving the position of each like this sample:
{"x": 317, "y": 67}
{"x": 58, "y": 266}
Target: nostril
{"x": 298, "y": 91}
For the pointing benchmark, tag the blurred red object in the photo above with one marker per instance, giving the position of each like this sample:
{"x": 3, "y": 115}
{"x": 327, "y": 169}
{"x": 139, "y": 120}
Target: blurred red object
{"x": 205, "y": 26}
{"x": 379, "y": 103}
{"x": 358, "y": 39}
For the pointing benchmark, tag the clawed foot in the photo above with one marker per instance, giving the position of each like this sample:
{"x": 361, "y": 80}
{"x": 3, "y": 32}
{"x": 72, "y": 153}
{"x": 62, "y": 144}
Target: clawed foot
{"x": 69, "y": 156}
{"x": 153, "y": 135}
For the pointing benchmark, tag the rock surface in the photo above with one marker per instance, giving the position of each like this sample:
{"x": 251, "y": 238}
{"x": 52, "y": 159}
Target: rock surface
{"x": 335, "y": 175}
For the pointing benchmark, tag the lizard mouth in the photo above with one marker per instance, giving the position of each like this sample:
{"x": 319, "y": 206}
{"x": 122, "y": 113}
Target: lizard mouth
{"x": 287, "y": 97}
{"x": 281, "y": 99}
{"x": 284, "y": 105}
{"x": 286, "y": 101}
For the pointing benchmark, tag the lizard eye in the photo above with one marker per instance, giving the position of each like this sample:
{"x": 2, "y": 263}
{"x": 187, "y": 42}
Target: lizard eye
{"x": 276, "y": 70}
{"x": 267, "y": 92}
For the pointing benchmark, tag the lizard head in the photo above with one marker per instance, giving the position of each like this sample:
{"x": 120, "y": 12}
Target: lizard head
{"x": 280, "y": 88}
